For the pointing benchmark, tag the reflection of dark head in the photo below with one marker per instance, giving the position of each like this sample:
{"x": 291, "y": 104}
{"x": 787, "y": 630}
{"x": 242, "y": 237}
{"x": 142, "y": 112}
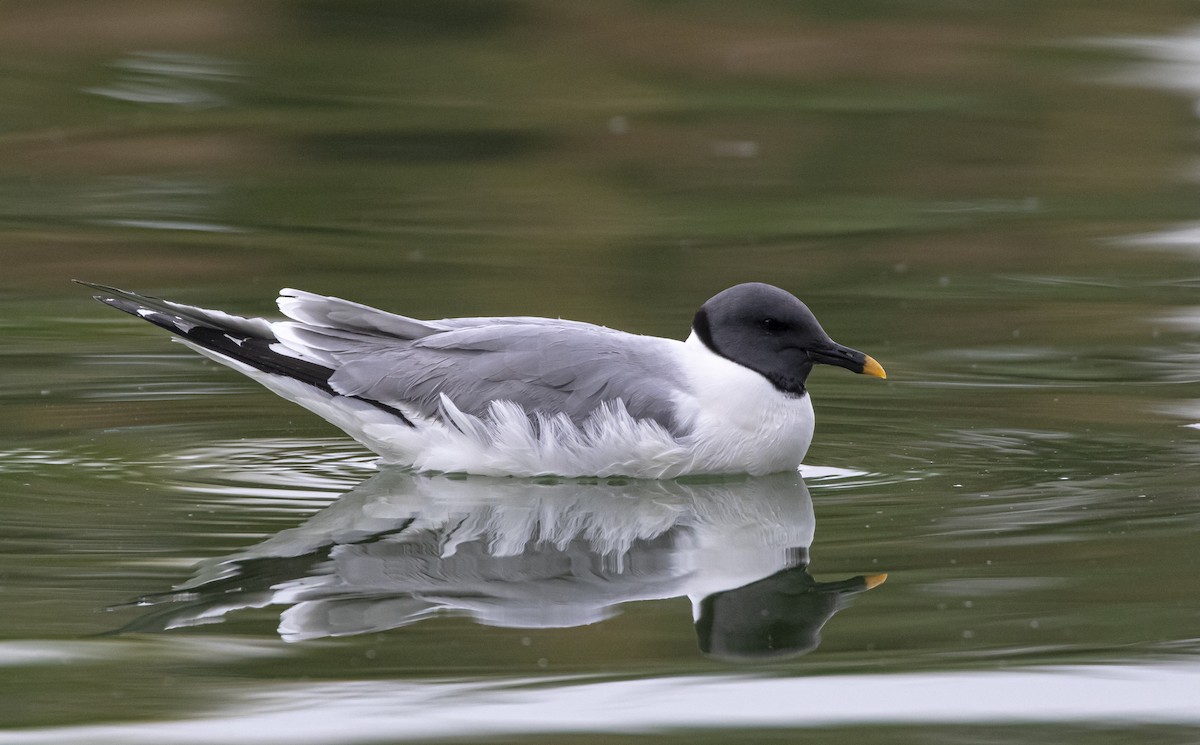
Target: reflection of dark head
{"x": 776, "y": 617}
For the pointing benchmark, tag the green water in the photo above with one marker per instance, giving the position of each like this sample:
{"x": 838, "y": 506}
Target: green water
{"x": 999, "y": 202}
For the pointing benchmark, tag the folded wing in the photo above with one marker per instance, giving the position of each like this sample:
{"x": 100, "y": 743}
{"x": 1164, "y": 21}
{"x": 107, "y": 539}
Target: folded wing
{"x": 403, "y": 366}
{"x": 546, "y": 366}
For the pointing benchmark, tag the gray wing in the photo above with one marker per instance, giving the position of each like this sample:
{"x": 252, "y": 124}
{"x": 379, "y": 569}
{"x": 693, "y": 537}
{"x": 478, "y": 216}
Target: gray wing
{"x": 333, "y": 313}
{"x": 544, "y": 365}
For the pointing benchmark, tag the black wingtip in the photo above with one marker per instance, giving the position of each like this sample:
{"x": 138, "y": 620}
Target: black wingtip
{"x": 132, "y": 303}
{"x": 123, "y": 300}
{"x": 94, "y": 286}
{"x": 201, "y": 329}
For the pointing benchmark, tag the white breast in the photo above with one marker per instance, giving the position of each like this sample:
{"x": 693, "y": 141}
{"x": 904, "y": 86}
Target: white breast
{"x": 738, "y": 421}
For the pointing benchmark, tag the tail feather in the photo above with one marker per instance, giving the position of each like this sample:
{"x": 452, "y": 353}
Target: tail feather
{"x": 250, "y": 341}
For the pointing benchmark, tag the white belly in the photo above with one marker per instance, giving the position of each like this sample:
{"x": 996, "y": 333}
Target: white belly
{"x": 738, "y": 420}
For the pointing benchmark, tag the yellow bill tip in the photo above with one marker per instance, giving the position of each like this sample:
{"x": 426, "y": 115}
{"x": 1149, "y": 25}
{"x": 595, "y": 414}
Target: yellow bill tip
{"x": 873, "y": 368}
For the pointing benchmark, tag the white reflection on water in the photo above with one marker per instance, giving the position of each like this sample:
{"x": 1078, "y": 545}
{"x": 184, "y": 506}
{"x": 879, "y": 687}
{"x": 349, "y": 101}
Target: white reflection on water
{"x": 1170, "y": 63}
{"x": 197, "y": 227}
{"x": 1187, "y": 319}
{"x": 170, "y": 79}
{"x": 34, "y": 652}
{"x": 1184, "y": 238}
{"x": 519, "y": 553}
{"x": 156, "y": 203}
{"x": 367, "y": 711}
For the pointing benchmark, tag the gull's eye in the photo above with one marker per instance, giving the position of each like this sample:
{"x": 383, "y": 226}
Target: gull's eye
{"x": 772, "y": 325}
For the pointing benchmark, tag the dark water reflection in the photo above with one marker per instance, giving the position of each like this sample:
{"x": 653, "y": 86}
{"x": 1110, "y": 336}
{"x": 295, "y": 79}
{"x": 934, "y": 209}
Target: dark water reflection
{"x": 403, "y": 547}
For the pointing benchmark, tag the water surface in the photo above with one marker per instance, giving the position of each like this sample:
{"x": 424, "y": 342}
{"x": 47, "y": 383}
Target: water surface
{"x": 998, "y": 203}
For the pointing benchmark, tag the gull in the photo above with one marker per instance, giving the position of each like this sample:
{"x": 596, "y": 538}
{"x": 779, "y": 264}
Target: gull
{"x": 526, "y": 396}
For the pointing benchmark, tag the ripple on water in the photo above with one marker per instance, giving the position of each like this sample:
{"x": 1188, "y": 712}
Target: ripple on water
{"x": 51, "y": 460}
{"x": 185, "y": 80}
{"x": 834, "y": 478}
{"x": 278, "y": 471}
{"x": 1022, "y": 366}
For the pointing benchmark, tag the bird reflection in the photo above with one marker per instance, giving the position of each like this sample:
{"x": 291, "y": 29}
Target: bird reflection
{"x": 518, "y": 553}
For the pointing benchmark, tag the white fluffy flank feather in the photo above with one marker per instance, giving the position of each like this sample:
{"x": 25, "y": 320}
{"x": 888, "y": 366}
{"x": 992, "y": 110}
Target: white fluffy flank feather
{"x": 508, "y": 442}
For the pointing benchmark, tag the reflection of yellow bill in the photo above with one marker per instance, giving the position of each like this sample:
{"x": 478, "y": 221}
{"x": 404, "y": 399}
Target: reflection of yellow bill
{"x": 875, "y": 579}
